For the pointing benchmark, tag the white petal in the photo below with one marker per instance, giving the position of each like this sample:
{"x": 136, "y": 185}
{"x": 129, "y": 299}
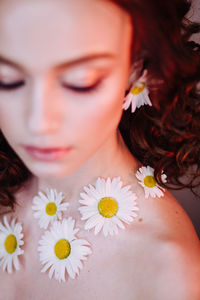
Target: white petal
{"x": 106, "y": 228}
{"x": 16, "y": 262}
{"x": 91, "y": 222}
{"x": 127, "y": 101}
{"x": 51, "y": 271}
{"x": 98, "y": 227}
{"x": 70, "y": 270}
{"x": 117, "y": 222}
{"x": 9, "y": 265}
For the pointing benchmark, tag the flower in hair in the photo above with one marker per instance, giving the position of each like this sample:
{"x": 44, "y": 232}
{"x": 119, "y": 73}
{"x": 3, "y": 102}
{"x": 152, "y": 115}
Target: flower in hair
{"x": 10, "y": 244}
{"x": 138, "y": 95}
{"x": 48, "y": 208}
{"x": 61, "y": 251}
{"x": 107, "y": 205}
{"x": 146, "y": 179}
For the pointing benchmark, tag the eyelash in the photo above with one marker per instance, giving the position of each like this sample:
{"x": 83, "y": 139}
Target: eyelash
{"x": 11, "y": 86}
{"x": 88, "y": 89}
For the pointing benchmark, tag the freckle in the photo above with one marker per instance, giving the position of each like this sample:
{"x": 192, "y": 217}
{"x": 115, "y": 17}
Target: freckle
{"x": 140, "y": 220}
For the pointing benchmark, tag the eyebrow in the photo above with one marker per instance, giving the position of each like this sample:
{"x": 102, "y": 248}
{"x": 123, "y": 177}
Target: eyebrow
{"x": 70, "y": 63}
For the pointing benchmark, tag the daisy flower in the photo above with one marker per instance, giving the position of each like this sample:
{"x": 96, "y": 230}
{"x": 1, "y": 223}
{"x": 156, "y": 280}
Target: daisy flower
{"x": 145, "y": 175}
{"x": 106, "y": 205}
{"x": 10, "y": 242}
{"x": 48, "y": 207}
{"x": 138, "y": 95}
{"x": 61, "y": 251}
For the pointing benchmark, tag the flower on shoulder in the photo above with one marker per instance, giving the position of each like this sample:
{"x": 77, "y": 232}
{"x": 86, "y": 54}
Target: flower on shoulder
{"x": 61, "y": 251}
{"x": 107, "y": 205}
{"x": 145, "y": 176}
{"x": 48, "y": 208}
{"x": 10, "y": 244}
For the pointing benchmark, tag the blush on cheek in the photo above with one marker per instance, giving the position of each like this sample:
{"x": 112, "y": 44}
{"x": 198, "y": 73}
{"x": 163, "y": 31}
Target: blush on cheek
{"x": 103, "y": 120}
{"x": 105, "y": 113}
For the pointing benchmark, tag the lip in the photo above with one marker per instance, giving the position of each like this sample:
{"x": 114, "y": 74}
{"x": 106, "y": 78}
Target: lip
{"x": 46, "y": 154}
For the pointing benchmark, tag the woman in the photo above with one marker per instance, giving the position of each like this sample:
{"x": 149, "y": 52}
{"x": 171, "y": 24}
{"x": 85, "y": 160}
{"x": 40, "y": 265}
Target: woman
{"x": 76, "y": 153}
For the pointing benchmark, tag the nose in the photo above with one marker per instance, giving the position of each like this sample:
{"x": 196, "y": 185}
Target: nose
{"x": 44, "y": 109}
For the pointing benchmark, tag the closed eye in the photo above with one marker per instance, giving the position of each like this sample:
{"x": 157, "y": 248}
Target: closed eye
{"x": 81, "y": 89}
{"x": 84, "y": 89}
{"x": 11, "y": 86}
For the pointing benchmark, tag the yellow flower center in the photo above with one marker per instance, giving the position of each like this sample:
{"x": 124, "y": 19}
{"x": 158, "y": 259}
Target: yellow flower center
{"x": 62, "y": 249}
{"x": 138, "y": 89}
{"x": 51, "y": 208}
{"x": 10, "y": 243}
{"x": 108, "y": 207}
{"x": 150, "y": 181}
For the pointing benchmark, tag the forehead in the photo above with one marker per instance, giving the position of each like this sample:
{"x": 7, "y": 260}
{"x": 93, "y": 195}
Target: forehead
{"x": 43, "y": 32}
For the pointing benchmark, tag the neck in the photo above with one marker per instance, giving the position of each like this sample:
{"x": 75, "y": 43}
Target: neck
{"x": 111, "y": 160}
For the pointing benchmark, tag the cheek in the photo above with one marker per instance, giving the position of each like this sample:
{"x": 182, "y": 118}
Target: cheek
{"x": 10, "y": 120}
{"x": 100, "y": 117}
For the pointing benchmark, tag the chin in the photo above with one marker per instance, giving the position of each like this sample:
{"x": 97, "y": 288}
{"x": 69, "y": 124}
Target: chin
{"x": 50, "y": 171}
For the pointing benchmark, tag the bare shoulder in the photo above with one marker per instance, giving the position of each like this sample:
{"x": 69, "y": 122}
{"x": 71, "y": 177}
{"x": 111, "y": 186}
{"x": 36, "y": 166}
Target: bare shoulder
{"x": 166, "y": 218}
{"x": 170, "y": 247}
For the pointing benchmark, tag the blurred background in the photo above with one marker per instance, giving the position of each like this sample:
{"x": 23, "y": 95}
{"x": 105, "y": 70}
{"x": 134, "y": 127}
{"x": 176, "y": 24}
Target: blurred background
{"x": 188, "y": 201}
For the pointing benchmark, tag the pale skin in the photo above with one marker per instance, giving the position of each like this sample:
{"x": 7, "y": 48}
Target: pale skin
{"x": 156, "y": 256}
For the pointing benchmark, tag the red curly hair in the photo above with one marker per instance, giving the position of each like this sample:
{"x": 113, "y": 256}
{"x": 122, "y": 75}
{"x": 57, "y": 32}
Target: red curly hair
{"x": 165, "y": 136}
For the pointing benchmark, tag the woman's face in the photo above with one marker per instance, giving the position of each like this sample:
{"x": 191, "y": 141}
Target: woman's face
{"x": 52, "y": 48}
